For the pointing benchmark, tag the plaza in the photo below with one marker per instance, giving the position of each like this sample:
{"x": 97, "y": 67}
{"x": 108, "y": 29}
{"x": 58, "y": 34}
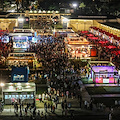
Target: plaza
{"x": 55, "y": 65}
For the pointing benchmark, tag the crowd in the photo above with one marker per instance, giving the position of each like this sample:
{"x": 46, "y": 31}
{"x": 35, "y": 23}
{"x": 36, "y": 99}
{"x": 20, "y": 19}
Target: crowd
{"x": 5, "y": 49}
{"x": 6, "y": 46}
{"x": 51, "y": 50}
{"x": 24, "y": 110}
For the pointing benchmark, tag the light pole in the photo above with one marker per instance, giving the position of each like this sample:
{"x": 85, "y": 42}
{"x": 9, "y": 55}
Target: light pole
{"x": 20, "y": 21}
{"x": 2, "y": 84}
{"x": 74, "y": 5}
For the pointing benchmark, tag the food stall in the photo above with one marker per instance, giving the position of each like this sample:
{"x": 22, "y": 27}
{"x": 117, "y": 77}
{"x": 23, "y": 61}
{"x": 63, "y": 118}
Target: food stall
{"x": 78, "y": 46}
{"x": 21, "y": 59}
{"x": 15, "y": 92}
{"x": 21, "y": 38}
{"x": 103, "y": 72}
{"x": 20, "y": 42}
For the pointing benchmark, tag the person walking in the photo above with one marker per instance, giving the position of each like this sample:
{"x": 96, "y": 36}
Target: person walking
{"x": 45, "y": 106}
{"x": 67, "y": 93}
{"x": 25, "y": 111}
{"x": 40, "y": 98}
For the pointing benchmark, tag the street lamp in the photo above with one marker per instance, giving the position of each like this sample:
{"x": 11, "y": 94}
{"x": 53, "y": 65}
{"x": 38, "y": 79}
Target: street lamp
{"x": 20, "y": 19}
{"x": 65, "y": 22}
{"x": 2, "y": 84}
{"x": 74, "y": 5}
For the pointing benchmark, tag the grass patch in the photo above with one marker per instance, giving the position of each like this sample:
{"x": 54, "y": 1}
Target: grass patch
{"x": 41, "y": 89}
{"x": 41, "y": 105}
{"x": 95, "y": 90}
{"x": 87, "y": 81}
{"x": 112, "y": 89}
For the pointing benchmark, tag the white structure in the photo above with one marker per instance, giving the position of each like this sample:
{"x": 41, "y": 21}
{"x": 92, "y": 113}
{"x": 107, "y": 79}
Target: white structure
{"x": 15, "y": 92}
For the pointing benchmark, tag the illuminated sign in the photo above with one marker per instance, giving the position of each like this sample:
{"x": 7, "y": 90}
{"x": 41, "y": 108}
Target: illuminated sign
{"x": 19, "y": 74}
{"x": 106, "y": 80}
{"x": 18, "y": 77}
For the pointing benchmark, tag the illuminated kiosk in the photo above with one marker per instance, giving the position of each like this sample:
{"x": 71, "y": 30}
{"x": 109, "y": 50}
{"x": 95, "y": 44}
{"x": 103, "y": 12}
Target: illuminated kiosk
{"x": 15, "y": 92}
{"x": 78, "y": 46}
{"x": 20, "y": 42}
{"x": 21, "y": 38}
{"x": 103, "y": 72}
{"x": 25, "y": 58}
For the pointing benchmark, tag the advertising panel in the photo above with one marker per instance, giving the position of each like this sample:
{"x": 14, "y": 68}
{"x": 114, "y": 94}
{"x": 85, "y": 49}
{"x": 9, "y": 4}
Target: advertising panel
{"x": 19, "y": 74}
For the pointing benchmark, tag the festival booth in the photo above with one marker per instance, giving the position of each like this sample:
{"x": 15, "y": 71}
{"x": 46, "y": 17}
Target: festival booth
{"x": 21, "y": 38}
{"x": 103, "y": 72}
{"x": 20, "y": 42}
{"x": 19, "y": 90}
{"x": 21, "y": 59}
{"x": 16, "y": 92}
{"x": 93, "y": 39}
{"x": 22, "y": 32}
{"x": 78, "y": 47}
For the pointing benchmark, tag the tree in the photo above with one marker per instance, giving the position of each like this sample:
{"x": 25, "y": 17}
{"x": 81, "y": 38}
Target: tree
{"x": 82, "y": 6}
